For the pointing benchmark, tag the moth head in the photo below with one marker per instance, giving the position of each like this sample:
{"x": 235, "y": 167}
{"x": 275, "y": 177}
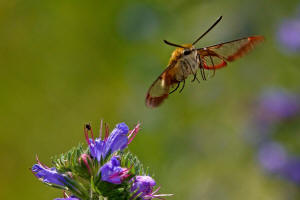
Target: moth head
{"x": 187, "y": 49}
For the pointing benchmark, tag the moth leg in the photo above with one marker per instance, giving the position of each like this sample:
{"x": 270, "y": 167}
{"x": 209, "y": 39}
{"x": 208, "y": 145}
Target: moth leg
{"x": 212, "y": 62}
{"x": 195, "y": 74}
{"x": 201, "y": 68}
{"x": 182, "y": 86}
{"x": 195, "y": 78}
{"x": 183, "y": 78}
{"x": 175, "y": 88}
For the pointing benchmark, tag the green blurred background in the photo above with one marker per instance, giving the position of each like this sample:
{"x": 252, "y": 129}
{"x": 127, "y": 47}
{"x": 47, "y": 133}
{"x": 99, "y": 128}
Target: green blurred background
{"x": 65, "y": 63}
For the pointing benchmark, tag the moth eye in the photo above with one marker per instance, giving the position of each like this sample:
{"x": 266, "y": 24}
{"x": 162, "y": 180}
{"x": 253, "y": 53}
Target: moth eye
{"x": 186, "y": 52}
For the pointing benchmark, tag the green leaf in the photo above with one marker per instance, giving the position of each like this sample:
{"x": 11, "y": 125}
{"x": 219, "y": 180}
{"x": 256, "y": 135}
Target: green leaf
{"x": 69, "y": 162}
{"x": 129, "y": 160}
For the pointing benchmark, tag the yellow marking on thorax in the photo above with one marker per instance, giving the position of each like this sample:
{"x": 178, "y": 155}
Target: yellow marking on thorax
{"x": 177, "y": 53}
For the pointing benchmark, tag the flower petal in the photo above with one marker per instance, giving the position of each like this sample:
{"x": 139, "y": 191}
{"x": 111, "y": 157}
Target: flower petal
{"x": 117, "y": 140}
{"x": 68, "y": 198}
{"x": 48, "y": 175}
{"x": 144, "y": 184}
{"x": 111, "y": 171}
{"x": 97, "y": 148}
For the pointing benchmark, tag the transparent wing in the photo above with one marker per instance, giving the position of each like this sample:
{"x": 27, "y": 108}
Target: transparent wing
{"x": 160, "y": 88}
{"x": 209, "y": 65}
{"x": 217, "y": 56}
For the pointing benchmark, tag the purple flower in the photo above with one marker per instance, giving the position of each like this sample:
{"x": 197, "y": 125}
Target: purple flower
{"x": 97, "y": 148}
{"x": 288, "y": 34}
{"x": 48, "y": 175}
{"x": 112, "y": 172}
{"x": 292, "y": 170}
{"x": 117, "y": 140}
{"x": 144, "y": 186}
{"x": 277, "y": 104}
{"x": 68, "y": 198}
{"x": 276, "y": 107}
{"x": 272, "y": 156}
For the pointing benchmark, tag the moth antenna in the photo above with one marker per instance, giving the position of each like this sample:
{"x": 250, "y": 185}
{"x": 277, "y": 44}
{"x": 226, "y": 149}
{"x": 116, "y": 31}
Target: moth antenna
{"x": 172, "y": 44}
{"x": 199, "y": 38}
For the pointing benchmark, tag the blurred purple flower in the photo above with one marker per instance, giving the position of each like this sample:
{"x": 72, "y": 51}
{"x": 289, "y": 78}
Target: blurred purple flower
{"x": 288, "y": 34}
{"x": 292, "y": 170}
{"x": 48, "y": 175}
{"x": 117, "y": 140}
{"x": 68, "y": 198}
{"x": 277, "y": 104}
{"x": 275, "y": 107}
{"x": 272, "y": 156}
{"x": 112, "y": 172}
{"x": 144, "y": 186}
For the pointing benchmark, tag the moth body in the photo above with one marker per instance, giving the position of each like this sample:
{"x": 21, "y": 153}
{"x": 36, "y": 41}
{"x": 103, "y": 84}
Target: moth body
{"x": 186, "y": 60}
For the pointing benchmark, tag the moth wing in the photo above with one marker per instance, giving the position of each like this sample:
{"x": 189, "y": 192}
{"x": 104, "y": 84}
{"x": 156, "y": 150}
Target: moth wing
{"x": 216, "y": 56}
{"x": 160, "y": 88}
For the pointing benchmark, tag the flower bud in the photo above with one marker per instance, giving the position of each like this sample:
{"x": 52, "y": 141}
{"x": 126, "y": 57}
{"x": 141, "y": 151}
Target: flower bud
{"x": 86, "y": 161}
{"x": 143, "y": 185}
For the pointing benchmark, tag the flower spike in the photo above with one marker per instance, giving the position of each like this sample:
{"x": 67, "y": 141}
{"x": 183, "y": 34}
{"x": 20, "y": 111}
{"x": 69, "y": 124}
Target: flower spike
{"x": 102, "y": 170}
